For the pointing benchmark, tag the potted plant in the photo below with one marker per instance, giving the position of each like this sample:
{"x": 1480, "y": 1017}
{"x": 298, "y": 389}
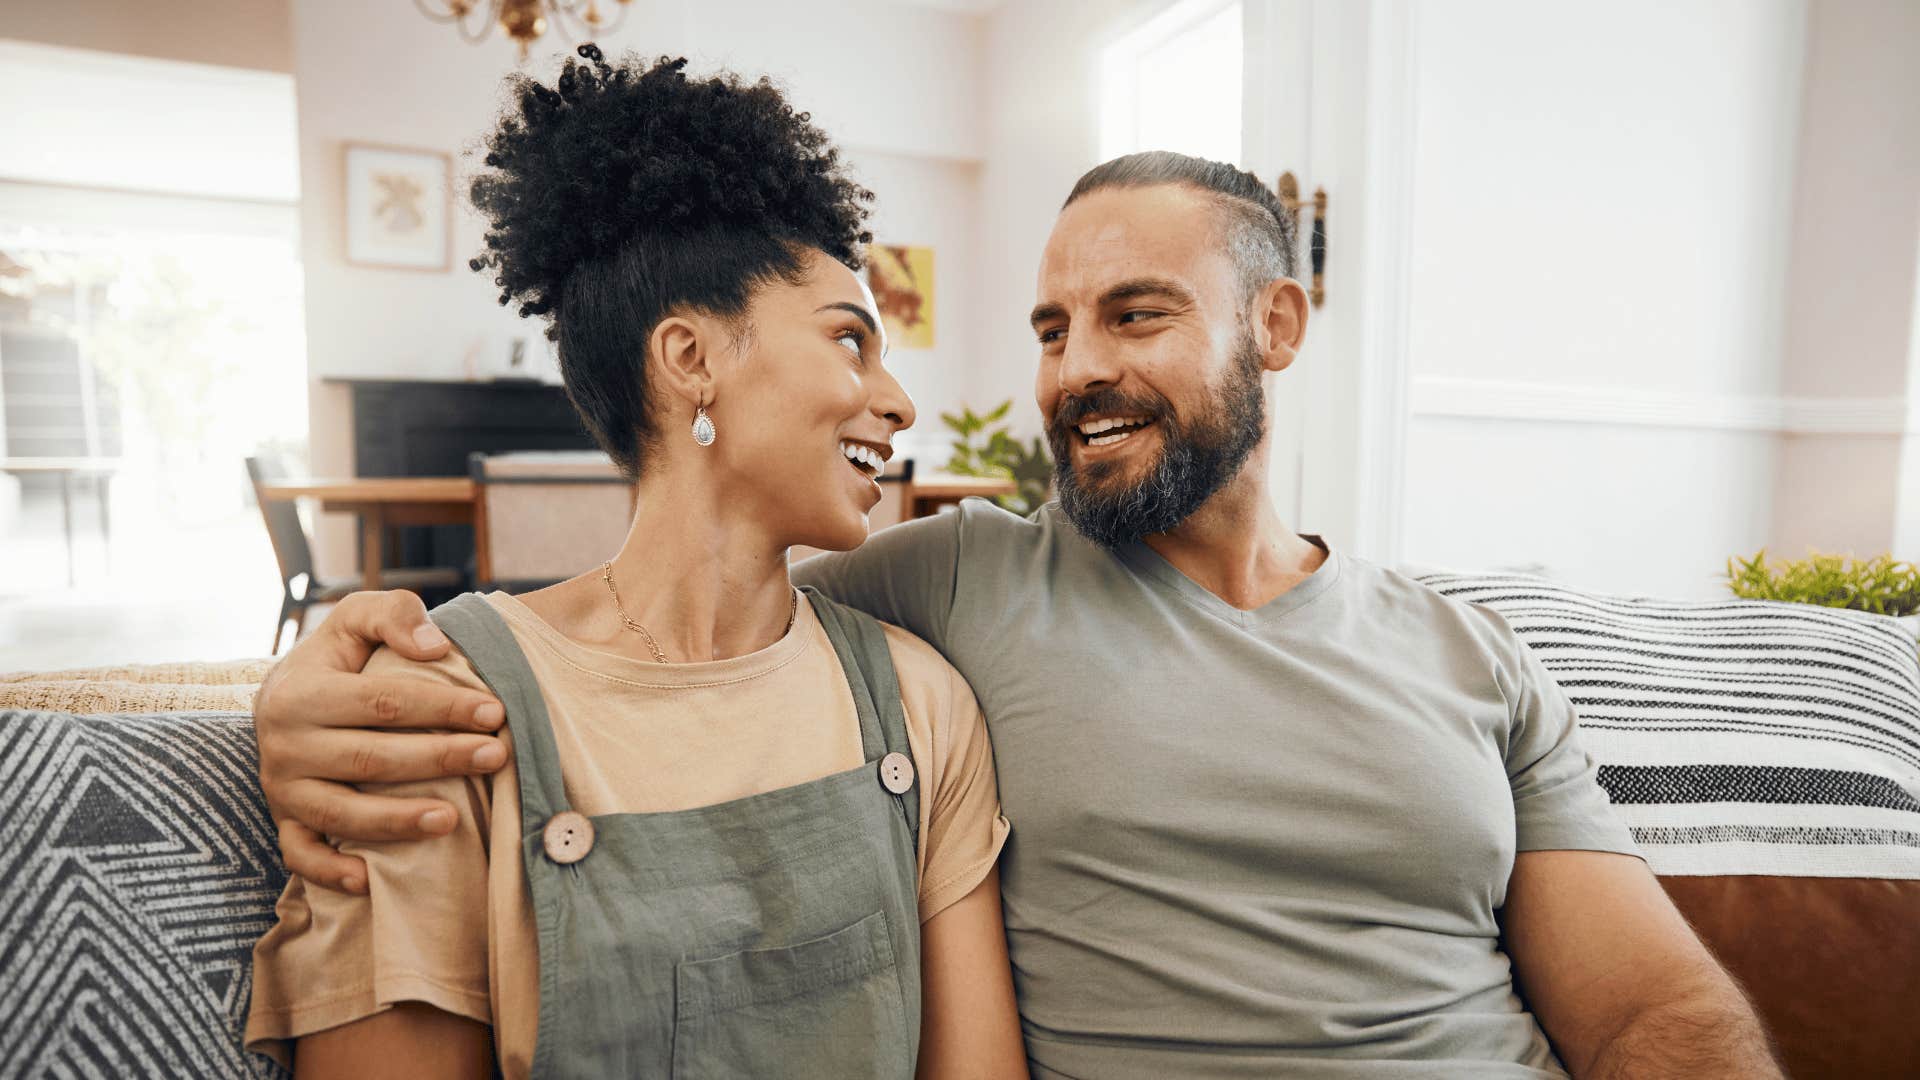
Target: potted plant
{"x": 983, "y": 447}
{"x": 1879, "y": 585}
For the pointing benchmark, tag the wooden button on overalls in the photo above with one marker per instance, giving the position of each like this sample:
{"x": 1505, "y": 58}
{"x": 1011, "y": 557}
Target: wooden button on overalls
{"x": 568, "y": 837}
{"x": 896, "y": 772}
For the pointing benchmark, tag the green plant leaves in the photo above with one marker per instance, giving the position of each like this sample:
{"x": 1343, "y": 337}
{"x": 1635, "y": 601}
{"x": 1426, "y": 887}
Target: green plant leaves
{"x": 1879, "y": 584}
{"x": 999, "y": 454}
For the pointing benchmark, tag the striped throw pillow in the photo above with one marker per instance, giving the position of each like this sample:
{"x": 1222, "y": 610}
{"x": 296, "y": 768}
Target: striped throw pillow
{"x": 1734, "y": 736}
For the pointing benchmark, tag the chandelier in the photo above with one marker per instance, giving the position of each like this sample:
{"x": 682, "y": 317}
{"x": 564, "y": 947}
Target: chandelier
{"x": 525, "y": 20}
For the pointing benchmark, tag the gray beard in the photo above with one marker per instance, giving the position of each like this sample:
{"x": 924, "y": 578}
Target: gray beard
{"x": 1196, "y": 460}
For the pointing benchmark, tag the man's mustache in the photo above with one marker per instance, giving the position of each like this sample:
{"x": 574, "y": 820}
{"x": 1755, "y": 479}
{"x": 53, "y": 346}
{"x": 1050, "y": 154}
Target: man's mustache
{"x": 1072, "y": 409}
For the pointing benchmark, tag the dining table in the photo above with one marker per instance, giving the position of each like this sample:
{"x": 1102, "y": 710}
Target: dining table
{"x": 383, "y": 503}
{"x": 929, "y": 492}
{"x": 386, "y": 502}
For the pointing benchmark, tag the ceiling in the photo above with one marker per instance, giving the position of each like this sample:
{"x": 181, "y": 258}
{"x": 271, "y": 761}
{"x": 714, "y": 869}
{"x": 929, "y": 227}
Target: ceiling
{"x": 964, "y": 7}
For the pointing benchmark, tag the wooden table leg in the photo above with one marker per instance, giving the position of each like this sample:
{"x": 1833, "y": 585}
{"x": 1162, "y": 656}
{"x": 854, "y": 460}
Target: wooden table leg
{"x": 106, "y": 520}
{"x": 373, "y": 543}
{"x": 66, "y": 519}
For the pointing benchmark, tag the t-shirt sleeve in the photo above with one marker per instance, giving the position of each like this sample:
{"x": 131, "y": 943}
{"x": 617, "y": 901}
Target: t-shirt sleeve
{"x": 962, "y": 827}
{"x": 419, "y": 935}
{"x": 902, "y": 575}
{"x": 1558, "y": 803}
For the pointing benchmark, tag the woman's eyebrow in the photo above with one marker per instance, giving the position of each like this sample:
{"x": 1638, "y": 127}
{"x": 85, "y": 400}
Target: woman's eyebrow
{"x": 865, "y": 315}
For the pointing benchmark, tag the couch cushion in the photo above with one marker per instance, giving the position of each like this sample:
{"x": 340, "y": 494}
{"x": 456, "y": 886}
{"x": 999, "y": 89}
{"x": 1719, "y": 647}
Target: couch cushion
{"x": 137, "y": 867}
{"x": 1831, "y": 964}
{"x": 226, "y": 685}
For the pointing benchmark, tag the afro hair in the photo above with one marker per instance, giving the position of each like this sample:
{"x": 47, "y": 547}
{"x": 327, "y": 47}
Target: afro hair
{"x": 628, "y": 192}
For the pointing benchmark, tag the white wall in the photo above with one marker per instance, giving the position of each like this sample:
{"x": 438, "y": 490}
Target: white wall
{"x": 1851, "y": 310}
{"x": 929, "y": 202}
{"x": 1598, "y": 266}
{"x": 897, "y": 86}
{"x": 1906, "y": 526}
{"x": 876, "y": 74}
{"x": 1041, "y": 132}
{"x": 1326, "y": 98}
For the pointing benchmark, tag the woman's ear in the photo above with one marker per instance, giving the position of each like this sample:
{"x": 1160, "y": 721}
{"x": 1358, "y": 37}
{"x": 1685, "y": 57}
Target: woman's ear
{"x": 681, "y": 347}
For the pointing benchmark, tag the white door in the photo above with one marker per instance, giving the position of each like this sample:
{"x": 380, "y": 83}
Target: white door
{"x": 1560, "y": 246}
{"x": 1256, "y": 82}
{"x": 1327, "y": 98}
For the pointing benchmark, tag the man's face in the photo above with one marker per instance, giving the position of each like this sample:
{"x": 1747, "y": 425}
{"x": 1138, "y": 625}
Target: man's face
{"x": 1149, "y": 378}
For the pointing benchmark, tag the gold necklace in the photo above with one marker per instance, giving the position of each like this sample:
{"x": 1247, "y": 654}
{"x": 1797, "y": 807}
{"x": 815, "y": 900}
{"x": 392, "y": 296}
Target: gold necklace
{"x": 606, "y": 574}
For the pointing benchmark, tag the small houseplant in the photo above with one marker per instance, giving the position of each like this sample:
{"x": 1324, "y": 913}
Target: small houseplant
{"x": 983, "y": 447}
{"x": 1879, "y": 584}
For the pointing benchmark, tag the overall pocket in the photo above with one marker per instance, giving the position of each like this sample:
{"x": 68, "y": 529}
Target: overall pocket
{"x": 830, "y": 1007}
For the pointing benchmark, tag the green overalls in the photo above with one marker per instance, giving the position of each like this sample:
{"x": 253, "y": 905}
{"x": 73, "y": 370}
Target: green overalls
{"x": 776, "y": 935}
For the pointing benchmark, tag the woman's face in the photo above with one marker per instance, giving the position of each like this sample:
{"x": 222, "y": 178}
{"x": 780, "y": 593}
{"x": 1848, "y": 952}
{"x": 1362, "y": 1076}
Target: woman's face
{"x": 806, "y": 410}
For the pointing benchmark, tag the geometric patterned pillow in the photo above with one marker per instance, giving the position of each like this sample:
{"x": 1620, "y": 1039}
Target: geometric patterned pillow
{"x": 138, "y": 866}
{"x": 1734, "y": 736}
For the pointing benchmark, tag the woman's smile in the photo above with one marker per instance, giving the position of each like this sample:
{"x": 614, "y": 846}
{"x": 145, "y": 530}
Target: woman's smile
{"x": 868, "y": 462}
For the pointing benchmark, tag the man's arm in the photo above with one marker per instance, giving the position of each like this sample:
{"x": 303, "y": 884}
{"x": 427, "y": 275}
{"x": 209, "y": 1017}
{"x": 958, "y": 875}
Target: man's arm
{"x": 1618, "y": 979}
{"x": 307, "y": 717}
{"x": 310, "y": 712}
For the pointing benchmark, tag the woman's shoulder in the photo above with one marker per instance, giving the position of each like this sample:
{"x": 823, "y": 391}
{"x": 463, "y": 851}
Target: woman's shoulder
{"x": 453, "y": 669}
{"x": 930, "y": 688}
{"x": 915, "y": 659}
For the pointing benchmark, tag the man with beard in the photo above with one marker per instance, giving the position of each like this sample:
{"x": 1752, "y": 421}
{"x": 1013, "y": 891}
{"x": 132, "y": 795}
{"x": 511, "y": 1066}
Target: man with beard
{"x": 1277, "y": 811}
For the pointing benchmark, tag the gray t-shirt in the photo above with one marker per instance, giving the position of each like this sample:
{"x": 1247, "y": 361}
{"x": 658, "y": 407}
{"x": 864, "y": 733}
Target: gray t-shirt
{"x": 1245, "y": 843}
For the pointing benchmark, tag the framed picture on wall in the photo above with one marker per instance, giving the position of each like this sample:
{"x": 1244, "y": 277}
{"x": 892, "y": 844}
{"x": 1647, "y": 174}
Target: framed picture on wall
{"x": 399, "y": 207}
{"x": 901, "y": 277}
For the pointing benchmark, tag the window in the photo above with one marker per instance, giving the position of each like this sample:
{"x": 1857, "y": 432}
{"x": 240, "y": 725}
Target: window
{"x": 1174, "y": 84}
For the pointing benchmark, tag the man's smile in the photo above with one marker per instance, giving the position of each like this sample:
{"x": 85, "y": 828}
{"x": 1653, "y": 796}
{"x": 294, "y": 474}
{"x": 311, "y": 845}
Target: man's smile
{"x": 1106, "y": 431}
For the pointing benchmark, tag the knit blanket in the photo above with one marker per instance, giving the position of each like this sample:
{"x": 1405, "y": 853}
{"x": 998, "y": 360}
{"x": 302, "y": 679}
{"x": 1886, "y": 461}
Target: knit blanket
{"x": 226, "y": 685}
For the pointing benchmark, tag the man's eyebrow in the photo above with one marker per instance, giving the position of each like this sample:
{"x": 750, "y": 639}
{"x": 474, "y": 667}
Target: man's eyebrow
{"x": 1147, "y": 286}
{"x": 845, "y": 305}
{"x": 1044, "y": 312}
{"x": 1131, "y": 289}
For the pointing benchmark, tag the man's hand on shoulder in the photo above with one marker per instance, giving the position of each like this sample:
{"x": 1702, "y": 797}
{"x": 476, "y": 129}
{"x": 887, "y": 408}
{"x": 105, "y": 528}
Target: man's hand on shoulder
{"x": 312, "y": 720}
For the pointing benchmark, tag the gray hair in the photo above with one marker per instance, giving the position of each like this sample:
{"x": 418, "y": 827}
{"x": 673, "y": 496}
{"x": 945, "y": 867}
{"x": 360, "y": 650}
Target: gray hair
{"x": 1260, "y": 233}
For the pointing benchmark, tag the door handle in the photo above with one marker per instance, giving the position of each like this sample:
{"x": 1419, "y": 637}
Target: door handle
{"x": 1289, "y": 191}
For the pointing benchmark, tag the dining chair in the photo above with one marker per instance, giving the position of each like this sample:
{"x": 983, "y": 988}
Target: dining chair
{"x": 541, "y": 517}
{"x": 300, "y": 587}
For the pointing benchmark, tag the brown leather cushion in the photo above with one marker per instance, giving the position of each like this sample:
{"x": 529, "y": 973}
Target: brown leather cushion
{"x": 1832, "y": 965}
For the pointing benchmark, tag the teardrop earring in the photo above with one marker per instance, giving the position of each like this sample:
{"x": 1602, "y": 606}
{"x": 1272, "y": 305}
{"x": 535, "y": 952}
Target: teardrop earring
{"x": 702, "y": 427}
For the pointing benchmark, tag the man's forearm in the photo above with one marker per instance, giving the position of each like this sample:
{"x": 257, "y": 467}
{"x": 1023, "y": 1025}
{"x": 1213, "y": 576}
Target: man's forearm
{"x": 1710, "y": 1035}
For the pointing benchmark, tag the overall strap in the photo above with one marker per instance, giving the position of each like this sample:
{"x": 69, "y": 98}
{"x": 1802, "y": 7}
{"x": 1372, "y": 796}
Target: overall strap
{"x": 490, "y": 647}
{"x": 861, "y": 643}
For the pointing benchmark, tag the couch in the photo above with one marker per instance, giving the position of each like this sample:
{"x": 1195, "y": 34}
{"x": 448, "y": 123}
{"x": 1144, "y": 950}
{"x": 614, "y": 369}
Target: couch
{"x": 1765, "y": 755}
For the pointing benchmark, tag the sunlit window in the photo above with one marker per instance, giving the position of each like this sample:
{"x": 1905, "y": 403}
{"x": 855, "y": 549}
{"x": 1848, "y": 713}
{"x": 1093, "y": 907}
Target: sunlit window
{"x": 1174, "y": 84}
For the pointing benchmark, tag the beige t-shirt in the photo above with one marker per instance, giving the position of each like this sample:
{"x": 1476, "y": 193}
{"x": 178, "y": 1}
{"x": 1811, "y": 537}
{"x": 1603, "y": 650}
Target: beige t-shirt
{"x": 446, "y": 925}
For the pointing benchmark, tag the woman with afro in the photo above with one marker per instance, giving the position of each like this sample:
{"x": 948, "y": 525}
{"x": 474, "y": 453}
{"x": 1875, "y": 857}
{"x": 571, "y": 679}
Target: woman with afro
{"x": 743, "y": 832}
